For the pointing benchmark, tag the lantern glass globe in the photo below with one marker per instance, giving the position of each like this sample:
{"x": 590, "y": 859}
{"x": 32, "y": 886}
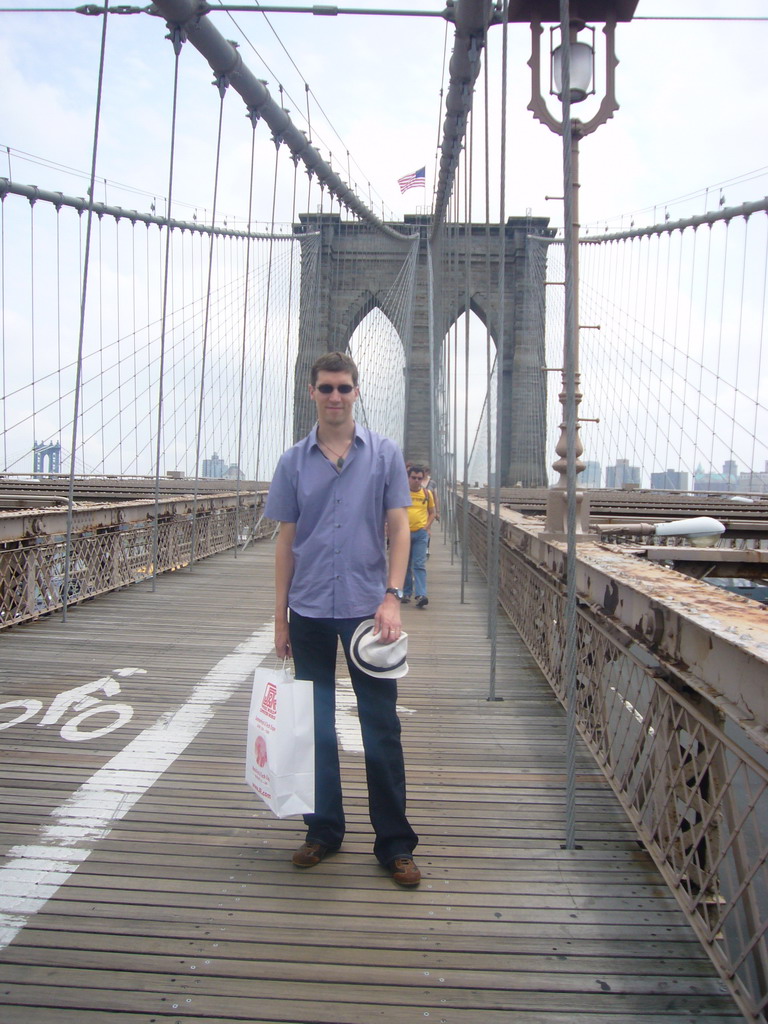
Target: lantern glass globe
{"x": 582, "y": 63}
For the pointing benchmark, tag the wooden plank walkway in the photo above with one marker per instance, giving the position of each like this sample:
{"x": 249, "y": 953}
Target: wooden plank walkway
{"x": 143, "y": 882}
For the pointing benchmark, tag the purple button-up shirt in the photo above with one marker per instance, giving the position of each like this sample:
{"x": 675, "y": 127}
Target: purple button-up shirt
{"x": 340, "y": 563}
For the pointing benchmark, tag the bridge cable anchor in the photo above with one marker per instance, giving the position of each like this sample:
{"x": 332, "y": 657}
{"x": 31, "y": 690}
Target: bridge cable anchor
{"x": 222, "y": 84}
{"x": 177, "y": 37}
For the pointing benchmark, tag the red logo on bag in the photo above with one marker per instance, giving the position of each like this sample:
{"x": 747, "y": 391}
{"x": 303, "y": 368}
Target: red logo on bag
{"x": 261, "y": 751}
{"x": 269, "y": 703}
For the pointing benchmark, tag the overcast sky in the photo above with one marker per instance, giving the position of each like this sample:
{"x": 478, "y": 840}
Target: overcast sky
{"x": 693, "y": 99}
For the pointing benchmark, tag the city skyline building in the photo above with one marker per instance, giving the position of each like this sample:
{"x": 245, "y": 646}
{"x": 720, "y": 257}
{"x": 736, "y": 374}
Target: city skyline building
{"x": 728, "y": 480}
{"x": 622, "y": 475}
{"x": 592, "y": 475}
{"x": 669, "y": 480}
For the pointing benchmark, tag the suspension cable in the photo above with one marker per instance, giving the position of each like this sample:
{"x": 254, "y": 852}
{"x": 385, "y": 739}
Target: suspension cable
{"x": 221, "y": 83}
{"x": 266, "y": 314}
{"x": 287, "y": 374}
{"x": 570, "y": 363}
{"x": 468, "y": 164}
{"x": 226, "y": 61}
{"x": 176, "y": 42}
{"x": 32, "y": 314}
{"x": 238, "y": 462}
{"x": 2, "y": 332}
{"x": 500, "y": 355}
{"x": 488, "y": 369}
{"x": 81, "y": 333}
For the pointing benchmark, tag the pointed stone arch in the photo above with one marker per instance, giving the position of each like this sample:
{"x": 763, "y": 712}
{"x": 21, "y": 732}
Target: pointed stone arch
{"x": 356, "y": 267}
{"x": 381, "y": 359}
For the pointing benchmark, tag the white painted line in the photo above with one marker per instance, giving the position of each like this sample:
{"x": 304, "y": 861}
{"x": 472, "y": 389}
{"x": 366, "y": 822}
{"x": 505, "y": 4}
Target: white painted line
{"x": 35, "y": 871}
{"x": 347, "y": 722}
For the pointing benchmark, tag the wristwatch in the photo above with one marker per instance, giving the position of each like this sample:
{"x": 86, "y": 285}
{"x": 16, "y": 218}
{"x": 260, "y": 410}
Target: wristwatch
{"x": 393, "y": 590}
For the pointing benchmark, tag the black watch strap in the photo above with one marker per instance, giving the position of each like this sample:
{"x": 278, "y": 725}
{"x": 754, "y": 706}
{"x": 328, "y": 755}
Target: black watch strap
{"x": 394, "y": 590}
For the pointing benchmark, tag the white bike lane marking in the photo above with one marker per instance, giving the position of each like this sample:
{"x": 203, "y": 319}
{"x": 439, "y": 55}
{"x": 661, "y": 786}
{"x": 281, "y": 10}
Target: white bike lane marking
{"x": 79, "y": 699}
{"x": 347, "y": 722}
{"x": 34, "y": 872}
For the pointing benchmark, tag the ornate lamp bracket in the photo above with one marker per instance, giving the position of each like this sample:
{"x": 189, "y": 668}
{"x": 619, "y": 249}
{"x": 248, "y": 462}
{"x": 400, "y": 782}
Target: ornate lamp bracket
{"x": 608, "y": 105}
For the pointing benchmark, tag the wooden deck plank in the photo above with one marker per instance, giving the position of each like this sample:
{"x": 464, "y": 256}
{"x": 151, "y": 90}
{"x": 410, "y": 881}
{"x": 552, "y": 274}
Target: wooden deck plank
{"x": 187, "y": 907}
{"x": 129, "y": 990}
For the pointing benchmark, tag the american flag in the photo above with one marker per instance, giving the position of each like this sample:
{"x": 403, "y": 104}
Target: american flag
{"x": 415, "y": 180}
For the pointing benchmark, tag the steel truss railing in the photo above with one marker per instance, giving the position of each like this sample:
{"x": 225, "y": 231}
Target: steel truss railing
{"x": 692, "y": 782}
{"x": 112, "y": 547}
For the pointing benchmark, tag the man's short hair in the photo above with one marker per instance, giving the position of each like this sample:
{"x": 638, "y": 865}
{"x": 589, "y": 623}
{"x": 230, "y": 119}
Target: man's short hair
{"x": 416, "y": 469}
{"x": 334, "y": 362}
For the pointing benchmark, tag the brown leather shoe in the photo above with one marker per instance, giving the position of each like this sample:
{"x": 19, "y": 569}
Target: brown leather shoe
{"x": 404, "y": 871}
{"x": 309, "y": 854}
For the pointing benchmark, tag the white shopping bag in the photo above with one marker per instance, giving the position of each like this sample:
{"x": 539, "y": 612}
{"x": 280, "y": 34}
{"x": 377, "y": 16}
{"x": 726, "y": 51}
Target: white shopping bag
{"x": 280, "y": 757}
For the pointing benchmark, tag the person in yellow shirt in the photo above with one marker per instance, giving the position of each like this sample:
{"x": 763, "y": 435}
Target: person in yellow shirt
{"x": 421, "y": 515}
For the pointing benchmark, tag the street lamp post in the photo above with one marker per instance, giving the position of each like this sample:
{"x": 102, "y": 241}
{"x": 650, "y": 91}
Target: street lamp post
{"x": 572, "y": 70}
{"x": 572, "y": 74}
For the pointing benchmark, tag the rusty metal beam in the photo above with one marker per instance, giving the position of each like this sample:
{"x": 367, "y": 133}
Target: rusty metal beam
{"x": 750, "y": 563}
{"x": 718, "y": 640}
{"x": 41, "y": 524}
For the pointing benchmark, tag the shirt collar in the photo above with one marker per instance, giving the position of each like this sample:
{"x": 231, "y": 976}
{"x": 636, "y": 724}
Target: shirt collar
{"x": 361, "y": 434}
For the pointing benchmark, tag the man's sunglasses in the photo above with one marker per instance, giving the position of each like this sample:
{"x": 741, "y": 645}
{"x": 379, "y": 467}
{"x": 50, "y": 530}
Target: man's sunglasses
{"x": 328, "y": 389}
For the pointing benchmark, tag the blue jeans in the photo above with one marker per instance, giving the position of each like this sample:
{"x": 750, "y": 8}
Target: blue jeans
{"x": 314, "y": 643}
{"x": 416, "y": 573}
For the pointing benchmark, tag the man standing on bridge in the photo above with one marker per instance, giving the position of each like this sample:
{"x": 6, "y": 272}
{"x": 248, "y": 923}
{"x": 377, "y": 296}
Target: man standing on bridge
{"x": 421, "y": 515}
{"x": 333, "y": 493}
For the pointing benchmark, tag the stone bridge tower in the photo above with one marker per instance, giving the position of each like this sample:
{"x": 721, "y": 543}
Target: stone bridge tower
{"x": 353, "y": 268}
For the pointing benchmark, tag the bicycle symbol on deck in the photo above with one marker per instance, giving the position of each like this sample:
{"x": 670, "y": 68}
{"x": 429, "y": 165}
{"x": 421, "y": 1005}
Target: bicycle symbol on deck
{"x": 94, "y": 716}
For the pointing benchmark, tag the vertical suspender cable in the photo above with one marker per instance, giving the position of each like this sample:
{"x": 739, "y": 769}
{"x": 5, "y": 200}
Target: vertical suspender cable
{"x": 436, "y": 447}
{"x": 119, "y": 361}
{"x": 254, "y": 119}
{"x": 58, "y": 319}
{"x": 488, "y": 371}
{"x": 221, "y": 83}
{"x": 176, "y": 41}
{"x": 705, "y": 313}
{"x": 467, "y": 311}
{"x": 719, "y": 348}
{"x": 439, "y": 444}
{"x": 32, "y": 313}
{"x": 760, "y": 349}
{"x": 454, "y": 373}
{"x": 2, "y": 331}
{"x": 493, "y": 582}
{"x": 571, "y": 242}
{"x": 133, "y": 331}
{"x": 81, "y": 333}
{"x": 287, "y": 389}
{"x": 100, "y": 235}
{"x": 266, "y": 312}
{"x": 449, "y": 269}
{"x": 148, "y": 295}
{"x": 738, "y": 345}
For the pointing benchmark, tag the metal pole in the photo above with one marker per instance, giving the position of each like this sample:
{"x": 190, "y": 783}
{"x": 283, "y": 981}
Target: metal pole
{"x": 570, "y": 391}
{"x": 493, "y": 580}
{"x": 81, "y": 334}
